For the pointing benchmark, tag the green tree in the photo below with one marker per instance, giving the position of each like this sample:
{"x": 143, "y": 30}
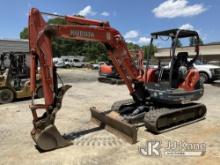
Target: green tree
{"x": 132, "y": 46}
{"x": 178, "y": 43}
{"x": 24, "y": 33}
{"x": 63, "y": 47}
{"x": 57, "y": 21}
{"x": 192, "y": 41}
{"x": 93, "y": 51}
{"x": 152, "y": 48}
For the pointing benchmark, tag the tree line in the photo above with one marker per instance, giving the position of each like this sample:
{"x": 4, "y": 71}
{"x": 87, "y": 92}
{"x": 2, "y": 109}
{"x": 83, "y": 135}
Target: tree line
{"x": 93, "y": 51}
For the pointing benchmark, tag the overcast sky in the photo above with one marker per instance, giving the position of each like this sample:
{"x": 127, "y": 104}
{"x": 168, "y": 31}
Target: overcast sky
{"x": 134, "y": 19}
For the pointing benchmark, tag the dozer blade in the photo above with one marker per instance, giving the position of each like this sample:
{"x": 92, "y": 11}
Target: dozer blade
{"x": 115, "y": 124}
{"x": 49, "y": 138}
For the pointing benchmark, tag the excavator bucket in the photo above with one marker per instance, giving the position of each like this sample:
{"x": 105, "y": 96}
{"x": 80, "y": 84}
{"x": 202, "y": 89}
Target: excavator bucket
{"x": 49, "y": 139}
{"x": 114, "y": 123}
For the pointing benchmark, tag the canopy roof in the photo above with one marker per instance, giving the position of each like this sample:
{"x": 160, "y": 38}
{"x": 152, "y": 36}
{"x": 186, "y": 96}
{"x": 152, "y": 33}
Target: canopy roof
{"x": 173, "y": 32}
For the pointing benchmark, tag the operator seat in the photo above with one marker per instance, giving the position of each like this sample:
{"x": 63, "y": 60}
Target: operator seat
{"x": 180, "y": 61}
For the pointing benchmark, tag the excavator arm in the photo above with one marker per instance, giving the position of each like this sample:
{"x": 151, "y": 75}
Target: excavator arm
{"x": 40, "y": 36}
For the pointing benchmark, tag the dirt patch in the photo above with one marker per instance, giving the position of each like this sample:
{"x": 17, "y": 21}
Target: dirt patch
{"x": 99, "y": 146}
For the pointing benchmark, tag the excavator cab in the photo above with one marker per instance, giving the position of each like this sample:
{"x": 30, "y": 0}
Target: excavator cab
{"x": 168, "y": 92}
{"x": 179, "y": 82}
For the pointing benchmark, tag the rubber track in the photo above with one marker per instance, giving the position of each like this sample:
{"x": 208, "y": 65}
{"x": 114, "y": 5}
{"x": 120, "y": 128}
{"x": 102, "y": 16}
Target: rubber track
{"x": 110, "y": 80}
{"x": 152, "y": 116}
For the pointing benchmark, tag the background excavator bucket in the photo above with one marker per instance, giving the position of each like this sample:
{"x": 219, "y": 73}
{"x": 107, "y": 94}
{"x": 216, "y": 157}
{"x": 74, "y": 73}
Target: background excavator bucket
{"x": 115, "y": 124}
{"x": 49, "y": 139}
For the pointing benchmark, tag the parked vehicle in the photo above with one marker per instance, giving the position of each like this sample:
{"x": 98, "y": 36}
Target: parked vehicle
{"x": 77, "y": 63}
{"x": 14, "y": 78}
{"x": 59, "y": 62}
{"x": 97, "y": 65}
{"x": 67, "y": 63}
{"x": 207, "y": 72}
{"x": 71, "y": 61}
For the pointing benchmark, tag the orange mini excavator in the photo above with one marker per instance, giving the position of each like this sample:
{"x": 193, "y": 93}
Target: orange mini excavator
{"x": 160, "y": 106}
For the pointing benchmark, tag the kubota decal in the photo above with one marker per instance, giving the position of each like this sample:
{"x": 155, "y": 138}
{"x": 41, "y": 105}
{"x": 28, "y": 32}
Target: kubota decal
{"x": 78, "y": 33}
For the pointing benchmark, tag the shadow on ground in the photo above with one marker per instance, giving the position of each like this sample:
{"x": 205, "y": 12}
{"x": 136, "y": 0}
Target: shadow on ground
{"x": 77, "y": 134}
{"x": 216, "y": 84}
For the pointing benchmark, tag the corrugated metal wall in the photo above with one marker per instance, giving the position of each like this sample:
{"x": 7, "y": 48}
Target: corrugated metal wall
{"x": 13, "y": 46}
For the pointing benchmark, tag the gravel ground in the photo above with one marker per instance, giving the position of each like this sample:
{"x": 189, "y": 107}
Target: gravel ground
{"x": 101, "y": 147}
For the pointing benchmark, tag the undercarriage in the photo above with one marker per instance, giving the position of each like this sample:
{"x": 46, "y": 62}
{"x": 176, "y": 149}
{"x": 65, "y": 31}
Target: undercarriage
{"x": 110, "y": 80}
{"x": 125, "y": 117}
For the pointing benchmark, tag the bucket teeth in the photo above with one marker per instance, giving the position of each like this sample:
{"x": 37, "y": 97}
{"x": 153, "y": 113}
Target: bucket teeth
{"x": 115, "y": 124}
{"x": 49, "y": 138}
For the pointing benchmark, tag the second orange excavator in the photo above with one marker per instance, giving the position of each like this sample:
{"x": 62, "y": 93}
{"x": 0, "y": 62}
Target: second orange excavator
{"x": 160, "y": 106}
{"x": 108, "y": 74}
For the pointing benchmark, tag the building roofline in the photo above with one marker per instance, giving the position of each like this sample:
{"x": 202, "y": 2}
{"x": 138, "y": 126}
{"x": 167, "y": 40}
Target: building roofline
{"x": 213, "y": 43}
{"x": 209, "y": 44}
{"x": 14, "y": 40}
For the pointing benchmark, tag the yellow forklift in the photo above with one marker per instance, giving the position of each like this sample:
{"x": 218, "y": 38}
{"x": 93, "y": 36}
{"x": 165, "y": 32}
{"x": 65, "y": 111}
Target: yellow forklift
{"x": 14, "y": 77}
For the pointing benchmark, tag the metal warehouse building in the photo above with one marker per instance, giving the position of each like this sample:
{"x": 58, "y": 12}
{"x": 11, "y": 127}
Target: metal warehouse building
{"x": 209, "y": 53}
{"x": 13, "y": 45}
{"x": 7, "y": 45}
